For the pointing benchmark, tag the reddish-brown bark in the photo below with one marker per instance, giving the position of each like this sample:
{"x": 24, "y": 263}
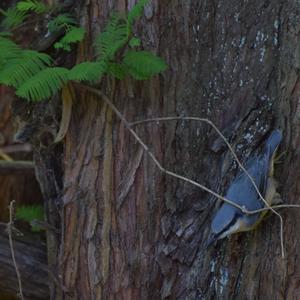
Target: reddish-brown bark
{"x": 132, "y": 233}
{"x": 129, "y": 231}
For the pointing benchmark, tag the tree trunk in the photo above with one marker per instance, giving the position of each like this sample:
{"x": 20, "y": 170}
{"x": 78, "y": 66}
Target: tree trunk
{"x": 131, "y": 232}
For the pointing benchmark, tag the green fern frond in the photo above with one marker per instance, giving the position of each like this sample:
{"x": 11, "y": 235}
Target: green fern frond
{"x": 8, "y": 50}
{"x": 5, "y": 34}
{"x": 18, "y": 70}
{"x": 118, "y": 71}
{"x": 32, "y": 5}
{"x": 29, "y": 72}
{"x": 44, "y": 84}
{"x": 88, "y": 71}
{"x": 113, "y": 38}
{"x": 143, "y": 65}
{"x": 134, "y": 42}
{"x": 61, "y": 21}
{"x": 30, "y": 213}
{"x": 74, "y": 35}
{"x": 12, "y": 18}
{"x": 137, "y": 11}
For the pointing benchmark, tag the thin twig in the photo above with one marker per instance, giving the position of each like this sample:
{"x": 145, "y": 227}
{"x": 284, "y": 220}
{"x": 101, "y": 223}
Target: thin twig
{"x": 13, "y": 148}
{"x": 220, "y": 134}
{"x": 277, "y": 207}
{"x": 145, "y": 147}
{"x": 9, "y": 231}
{"x": 16, "y": 166}
{"x": 235, "y": 157}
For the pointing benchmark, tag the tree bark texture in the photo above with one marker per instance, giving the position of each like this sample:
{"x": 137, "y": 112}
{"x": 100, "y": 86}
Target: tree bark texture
{"x": 131, "y": 232}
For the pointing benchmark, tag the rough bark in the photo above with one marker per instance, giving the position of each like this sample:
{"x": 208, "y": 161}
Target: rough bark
{"x": 132, "y": 233}
{"x": 31, "y": 258}
{"x": 128, "y": 231}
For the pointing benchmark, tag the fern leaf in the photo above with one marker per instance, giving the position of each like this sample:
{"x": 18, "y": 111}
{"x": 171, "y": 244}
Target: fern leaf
{"x": 136, "y": 11}
{"x": 5, "y": 34}
{"x": 32, "y": 5}
{"x": 88, "y": 71}
{"x": 8, "y": 50}
{"x": 143, "y": 65}
{"x": 114, "y": 37}
{"x": 134, "y": 42}
{"x": 61, "y": 21}
{"x": 44, "y": 84}
{"x": 117, "y": 70}
{"x": 18, "y": 70}
{"x": 12, "y": 18}
{"x": 76, "y": 34}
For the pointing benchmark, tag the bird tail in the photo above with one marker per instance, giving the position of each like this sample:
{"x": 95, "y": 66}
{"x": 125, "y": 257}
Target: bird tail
{"x": 273, "y": 141}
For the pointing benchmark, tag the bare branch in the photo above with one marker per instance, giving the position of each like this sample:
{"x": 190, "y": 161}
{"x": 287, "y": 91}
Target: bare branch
{"x": 235, "y": 157}
{"x": 146, "y": 148}
{"x": 16, "y": 148}
{"x": 16, "y": 166}
{"x": 9, "y": 231}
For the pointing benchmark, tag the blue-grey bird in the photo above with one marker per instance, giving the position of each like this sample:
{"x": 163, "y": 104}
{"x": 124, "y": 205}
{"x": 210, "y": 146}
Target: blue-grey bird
{"x": 229, "y": 219}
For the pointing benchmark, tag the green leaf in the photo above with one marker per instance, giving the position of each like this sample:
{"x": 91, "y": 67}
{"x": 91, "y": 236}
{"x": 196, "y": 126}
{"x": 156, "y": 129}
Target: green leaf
{"x": 65, "y": 47}
{"x": 5, "y": 34}
{"x": 12, "y": 18}
{"x": 113, "y": 38}
{"x": 32, "y": 5}
{"x": 58, "y": 45}
{"x": 17, "y": 70}
{"x": 29, "y": 213}
{"x": 137, "y": 11}
{"x": 87, "y": 71}
{"x": 143, "y": 65}
{"x": 8, "y": 50}
{"x": 60, "y": 22}
{"x": 74, "y": 35}
{"x": 116, "y": 70}
{"x": 44, "y": 84}
{"x": 134, "y": 42}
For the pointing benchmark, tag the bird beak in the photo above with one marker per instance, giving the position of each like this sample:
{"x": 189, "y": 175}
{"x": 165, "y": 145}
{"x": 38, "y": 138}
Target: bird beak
{"x": 211, "y": 240}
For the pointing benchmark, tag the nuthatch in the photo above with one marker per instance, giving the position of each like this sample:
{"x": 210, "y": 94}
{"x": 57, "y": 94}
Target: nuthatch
{"x": 230, "y": 219}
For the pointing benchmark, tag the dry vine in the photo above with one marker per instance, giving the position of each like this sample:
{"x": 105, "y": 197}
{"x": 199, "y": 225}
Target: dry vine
{"x": 162, "y": 169}
{"x": 243, "y": 209}
{"x": 10, "y": 227}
